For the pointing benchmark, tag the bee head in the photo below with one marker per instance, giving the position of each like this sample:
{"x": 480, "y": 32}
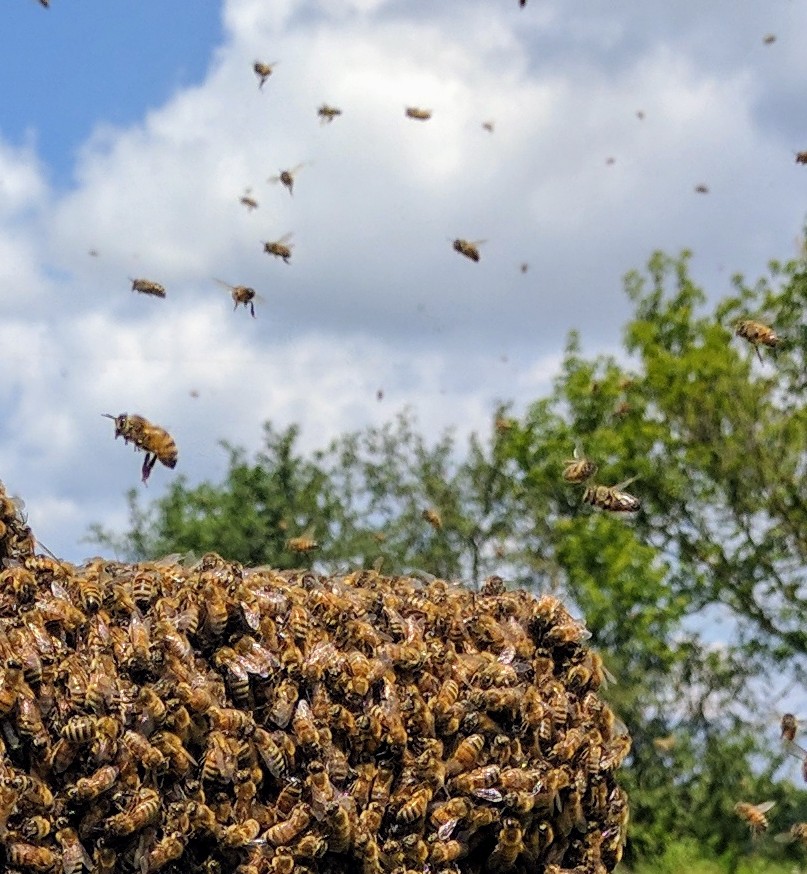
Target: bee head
{"x": 120, "y": 422}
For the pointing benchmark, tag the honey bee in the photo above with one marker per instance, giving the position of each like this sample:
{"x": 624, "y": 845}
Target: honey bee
{"x": 240, "y": 834}
{"x": 142, "y": 751}
{"x": 146, "y": 286}
{"x": 466, "y": 754}
{"x": 801, "y": 157}
{"x": 467, "y": 248}
{"x": 89, "y": 788}
{"x": 105, "y": 859}
{"x": 263, "y": 71}
{"x": 339, "y": 825}
{"x": 472, "y": 781}
{"x": 248, "y": 201}
{"x": 280, "y": 248}
{"x": 415, "y": 808}
{"x": 488, "y": 126}
{"x": 74, "y": 856}
{"x": 155, "y": 441}
{"x": 612, "y": 498}
{"x": 144, "y": 811}
{"x": 328, "y": 113}
{"x": 443, "y": 852}
{"x": 219, "y": 763}
{"x": 433, "y": 518}
{"x": 304, "y": 543}
{"x": 22, "y": 855}
{"x": 754, "y": 815}
{"x": 242, "y": 294}
{"x": 382, "y": 785}
{"x": 310, "y": 846}
{"x": 168, "y": 849}
{"x": 578, "y": 468}
{"x": 509, "y": 844}
{"x": 789, "y": 726}
{"x": 368, "y": 853}
{"x": 797, "y": 832}
{"x": 756, "y": 333}
{"x": 287, "y": 831}
{"x": 769, "y": 39}
{"x": 286, "y": 177}
{"x": 417, "y": 113}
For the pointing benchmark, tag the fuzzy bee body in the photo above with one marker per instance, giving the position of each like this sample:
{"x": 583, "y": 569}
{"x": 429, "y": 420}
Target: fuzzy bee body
{"x": 417, "y": 113}
{"x": 467, "y": 248}
{"x": 612, "y": 498}
{"x": 757, "y": 333}
{"x": 146, "y": 286}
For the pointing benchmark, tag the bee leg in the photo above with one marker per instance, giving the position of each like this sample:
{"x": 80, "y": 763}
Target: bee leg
{"x": 759, "y": 354}
{"x": 252, "y": 309}
{"x": 235, "y": 306}
{"x": 148, "y": 465}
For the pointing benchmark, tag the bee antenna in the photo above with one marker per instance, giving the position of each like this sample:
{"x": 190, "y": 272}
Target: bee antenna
{"x": 108, "y": 416}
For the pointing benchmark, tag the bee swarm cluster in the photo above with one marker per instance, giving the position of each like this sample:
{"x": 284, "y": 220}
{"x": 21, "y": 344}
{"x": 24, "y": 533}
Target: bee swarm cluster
{"x": 213, "y": 718}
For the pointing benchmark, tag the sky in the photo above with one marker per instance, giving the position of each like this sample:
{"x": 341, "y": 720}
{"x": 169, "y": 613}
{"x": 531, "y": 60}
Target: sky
{"x": 133, "y": 135}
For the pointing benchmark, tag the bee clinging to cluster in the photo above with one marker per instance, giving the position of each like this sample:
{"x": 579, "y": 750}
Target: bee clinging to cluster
{"x": 155, "y": 441}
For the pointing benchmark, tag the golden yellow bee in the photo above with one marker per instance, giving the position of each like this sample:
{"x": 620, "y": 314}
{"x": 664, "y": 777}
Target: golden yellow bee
{"x": 242, "y": 294}
{"x": 263, "y": 71}
{"x": 415, "y": 807}
{"x": 443, "y": 852}
{"x": 285, "y": 832}
{"x": 466, "y": 754}
{"x": 612, "y": 498}
{"x": 286, "y": 177}
{"x": 509, "y": 844}
{"x": 578, "y": 468}
{"x": 144, "y": 810}
{"x": 168, "y": 849}
{"x": 29, "y": 856}
{"x": 417, "y": 113}
{"x": 340, "y": 827}
{"x": 756, "y": 333}
{"x": 328, "y": 113}
{"x": 468, "y": 248}
{"x": 280, "y": 248}
{"x": 74, "y": 857}
{"x": 146, "y": 286}
{"x": 754, "y": 815}
{"x": 240, "y": 834}
{"x": 155, "y": 441}
{"x": 433, "y": 518}
{"x": 89, "y": 788}
{"x": 304, "y": 543}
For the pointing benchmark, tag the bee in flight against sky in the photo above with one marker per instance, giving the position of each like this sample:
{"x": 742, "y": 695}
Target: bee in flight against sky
{"x": 146, "y": 286}
{"x": 769, "y": 39}
{"x": 286, "y": 177}
{"x": 156, "y": 442}
{"x": 524, "y": 267}
{"x": 754, "y": 815}
{"x": 280, "y": 248}
{"x": 701, "y": 189}
{"x": 328, "y": 113}
{"x": 248, "y": 200}
{"x": 801, "y": 157}
{"x": 469, "y": 249}
{"x": 612, "y": 498}
{"x": 488, "y": 126}
{"x": 756, "y": 333}
{"x": 417, "y": 113}
{"x": 263, "y": 71}
{"x": 242, "y": 294}
{"x": 578, "y": 468}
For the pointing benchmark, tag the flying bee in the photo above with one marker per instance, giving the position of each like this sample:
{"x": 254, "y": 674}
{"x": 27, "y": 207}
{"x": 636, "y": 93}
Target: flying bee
{"x": 578, "y": 468}
{"x": 797, "y": 832}
{"x": 286, "y": 177}
{"x": 756, "y": 333}
{"x": 769, "y": 39}
{"x": 468, "y": 248}
{"x": 417, "y": 113}
{"x": 280, "y": 248}
{"x": 701, "y": 189}
{"x": 304, "y": 542}
{"x": 155, "y": 441}
{"x": 147, "y": 286}
{"x": 328, "y": 113}
{"x": 242, "y": 294}
{"x": 263, "y": 71}
{"x": 488, "y": 126}
{"x": 801, "y": 157}
{"x": 248, "y": 200}
{"x": 754, "y": 815}
{"x": 612, "y": 498}
{"x": 433, "y": 518}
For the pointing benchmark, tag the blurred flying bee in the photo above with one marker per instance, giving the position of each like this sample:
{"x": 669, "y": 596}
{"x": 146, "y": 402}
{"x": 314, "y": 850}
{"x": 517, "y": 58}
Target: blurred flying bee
{"x": 328, "y": 113}
{"x": 524, "y": 267}
{"x": 155, "y": 441}
{"x": 665, "y": 744}
{"x": 488, "y": 126}
{"x": 263, "y": 71}
{"x": 797, "y": 832}
{"x": 280, "y": 248}
{"x": 612, "y": 498}
{"x": 248, "y": 200}
{"x": 754, "y": 815}
{"x": 801, "y": 157}
{"x": 146, "y": 286}
{"x": 578, "y": 468}
{"x": 286, "y": 177}
{"x": 242, "y": 294}
{"x": 789, "y": 726}
{"x": 304, "y": 542}
{"x": 756, "y": 333}
{"x": 640, "y": 114}
{"x": 769, "y": 39}
{"x": 610, "y": 161}
{"x": 467, "y": 248}
{"x": 417, "y": 113}
{"x": 701, "y": 189}
{"x": 433, "y": 518}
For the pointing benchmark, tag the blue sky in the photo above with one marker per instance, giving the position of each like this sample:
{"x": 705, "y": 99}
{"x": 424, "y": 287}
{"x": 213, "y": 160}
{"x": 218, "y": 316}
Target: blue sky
{"x": 68, "y": 67}
{"x": 134, "y": 133}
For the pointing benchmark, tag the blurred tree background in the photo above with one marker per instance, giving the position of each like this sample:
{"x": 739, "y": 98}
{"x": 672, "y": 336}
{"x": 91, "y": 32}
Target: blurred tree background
{"x": 696, "y": 603}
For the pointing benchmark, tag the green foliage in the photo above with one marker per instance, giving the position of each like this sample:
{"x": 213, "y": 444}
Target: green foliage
{"x": 718, "y": 442}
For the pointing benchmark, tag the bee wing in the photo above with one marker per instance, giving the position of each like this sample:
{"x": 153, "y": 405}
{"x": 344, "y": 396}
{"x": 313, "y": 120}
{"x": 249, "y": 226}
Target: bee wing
{"x": 477, "y": 242}
{"x": 493, "y": 795}
{"x": 220, "y": 282}
{"x": 285, "y": 238}
{"x": 297, "y": 168}
{"x": 764, "y": 807}
{"x": 625, "y": 484}
{"x": 784, "y": 838}
{"x": 274, "y": 179}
